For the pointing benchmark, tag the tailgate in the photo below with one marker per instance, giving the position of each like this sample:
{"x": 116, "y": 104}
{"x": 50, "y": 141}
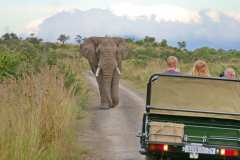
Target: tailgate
{"x": 207, "y": 131}
{"x": 212, "y": 135}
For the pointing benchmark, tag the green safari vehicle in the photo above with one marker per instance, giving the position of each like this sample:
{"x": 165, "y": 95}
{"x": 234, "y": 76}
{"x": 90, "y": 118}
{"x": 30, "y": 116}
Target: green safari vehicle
{"x": 191, "y": 118}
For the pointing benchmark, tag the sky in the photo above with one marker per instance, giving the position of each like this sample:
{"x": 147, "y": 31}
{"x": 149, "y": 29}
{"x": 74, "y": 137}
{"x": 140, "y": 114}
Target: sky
{"x": 18, "y": 15}
{"x": 213, "y": 23}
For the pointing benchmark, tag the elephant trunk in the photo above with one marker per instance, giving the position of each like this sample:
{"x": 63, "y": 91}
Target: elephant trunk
{"x": 108, "y": 69}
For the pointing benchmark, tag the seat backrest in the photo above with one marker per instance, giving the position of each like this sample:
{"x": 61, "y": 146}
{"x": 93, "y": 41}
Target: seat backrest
{"x": 198, "y": 94}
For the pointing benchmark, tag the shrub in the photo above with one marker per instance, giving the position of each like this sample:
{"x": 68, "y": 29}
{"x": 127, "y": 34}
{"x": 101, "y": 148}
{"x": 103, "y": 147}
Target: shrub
{"x": 9, "y": 65}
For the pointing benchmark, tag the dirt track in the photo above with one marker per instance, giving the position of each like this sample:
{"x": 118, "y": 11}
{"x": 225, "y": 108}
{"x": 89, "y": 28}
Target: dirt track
{"x": 111, "y": 134}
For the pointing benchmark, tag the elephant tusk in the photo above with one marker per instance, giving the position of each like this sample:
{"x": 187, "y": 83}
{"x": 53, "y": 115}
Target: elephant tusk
{"x": 118, "y": 70}
{"x": 98, "y": 71}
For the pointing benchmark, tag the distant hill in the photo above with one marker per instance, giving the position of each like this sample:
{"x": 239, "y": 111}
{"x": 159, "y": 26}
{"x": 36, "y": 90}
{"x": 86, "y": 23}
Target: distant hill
{"x": 216, "y": 30}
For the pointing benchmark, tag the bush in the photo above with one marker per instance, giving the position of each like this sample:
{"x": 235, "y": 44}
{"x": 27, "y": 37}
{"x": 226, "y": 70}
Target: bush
{"x": 9, "y": 65}
{"x": 18, "y": 57}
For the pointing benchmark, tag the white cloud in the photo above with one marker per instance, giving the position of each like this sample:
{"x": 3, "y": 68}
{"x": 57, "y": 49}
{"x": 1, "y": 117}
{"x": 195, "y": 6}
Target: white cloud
{"x": 162, "y": 12}
{"x": 33, "y": 27}
{"x": 214, "y": 15}
{"x": 233, "y": 14}
{"x": 198, "y": 28}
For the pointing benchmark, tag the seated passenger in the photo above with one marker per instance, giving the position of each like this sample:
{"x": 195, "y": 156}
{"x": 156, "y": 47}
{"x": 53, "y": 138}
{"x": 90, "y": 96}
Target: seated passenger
{"x": 229, "y": 73}
{"x": 172, "y": 64}
{"x": 200, "y": 69}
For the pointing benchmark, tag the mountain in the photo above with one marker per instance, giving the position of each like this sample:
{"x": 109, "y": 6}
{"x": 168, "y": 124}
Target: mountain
{"x": 214, "y": 29}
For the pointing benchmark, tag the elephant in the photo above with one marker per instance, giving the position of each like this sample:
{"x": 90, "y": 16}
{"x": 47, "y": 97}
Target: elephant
{"x": 105, "y": 56}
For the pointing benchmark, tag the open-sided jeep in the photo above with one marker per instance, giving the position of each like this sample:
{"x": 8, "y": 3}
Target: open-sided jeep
{"x": 191, "y": 117}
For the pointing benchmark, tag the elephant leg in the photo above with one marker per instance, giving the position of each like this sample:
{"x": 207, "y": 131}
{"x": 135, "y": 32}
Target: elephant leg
{"x": 115, "y": 89}
{"x": 104, "y": 85}
{"x": 107, "y": 89}
{"x": 101, "y": 92}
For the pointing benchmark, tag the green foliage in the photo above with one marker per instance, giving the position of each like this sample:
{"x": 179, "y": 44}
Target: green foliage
{"x": 18, "y": 57}
{"x": 147, "y": 49}
{"x": 130, "y": 40}
{"x": 163, "y": 43}
{"x": 34, "y": 40}
{"x": 63, "y": 38}
{"x": 52, "y": 59}
{"x": 144, "y": 52}
{"x": 79, "y": 39}
{"x": 9, "y": 36}
{"x": 149, "y": 39}
{"x": 182, "y": 44}
{"x": 9, "y": 65}
{"x": 140, "y": 42}
{"x": 71, "y": 81}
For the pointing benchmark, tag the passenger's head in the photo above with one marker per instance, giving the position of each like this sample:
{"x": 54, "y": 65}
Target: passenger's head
{"x": 230, "y": 73}
{"x": 172, "y": 62}
{"x": 200, "y": 68}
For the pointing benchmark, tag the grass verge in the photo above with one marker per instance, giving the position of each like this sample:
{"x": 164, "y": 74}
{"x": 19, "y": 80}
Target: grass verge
{"x": 38, "y": 116}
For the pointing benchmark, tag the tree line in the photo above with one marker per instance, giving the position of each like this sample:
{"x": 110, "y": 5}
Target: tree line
{"x": 62, "y": 38}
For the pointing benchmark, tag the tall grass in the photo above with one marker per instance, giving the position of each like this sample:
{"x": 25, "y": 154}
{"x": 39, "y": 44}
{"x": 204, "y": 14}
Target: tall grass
{"x": 38, "y": 117}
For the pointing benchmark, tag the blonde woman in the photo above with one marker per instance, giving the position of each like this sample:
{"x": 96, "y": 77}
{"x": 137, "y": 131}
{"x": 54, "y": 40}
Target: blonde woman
{"x": 172, "y": 66}
{"x": 200, "y": 69}
{"x": 230, "y": 73}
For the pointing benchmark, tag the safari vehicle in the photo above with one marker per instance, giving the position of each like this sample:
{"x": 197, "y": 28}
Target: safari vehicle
{"x": 191, "y": 117}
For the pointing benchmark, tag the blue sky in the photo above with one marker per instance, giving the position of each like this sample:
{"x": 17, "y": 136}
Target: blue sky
{"x": 16, "y": 15}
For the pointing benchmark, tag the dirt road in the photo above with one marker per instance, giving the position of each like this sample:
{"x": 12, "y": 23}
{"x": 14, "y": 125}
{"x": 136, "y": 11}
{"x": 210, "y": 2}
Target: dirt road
{"x": 111, "y": 134}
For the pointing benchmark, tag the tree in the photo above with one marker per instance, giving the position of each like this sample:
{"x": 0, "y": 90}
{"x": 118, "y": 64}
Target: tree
{"x": 149, "y": 39}
{"x": 63, "y": 38}
{"x": 130, "y": 40}
{"x": 163, "y": 43}
{"x": 140, "y": 42}
{"x": 9, "y": 36}
{"x": 33, "y": 39}
{"x": 79, "y": 39}
{"x": 32, "y": 34}
{"x": 182, "y": 45}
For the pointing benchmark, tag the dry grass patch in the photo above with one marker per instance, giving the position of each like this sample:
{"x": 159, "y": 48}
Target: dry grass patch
{"x": 38, "y": 117}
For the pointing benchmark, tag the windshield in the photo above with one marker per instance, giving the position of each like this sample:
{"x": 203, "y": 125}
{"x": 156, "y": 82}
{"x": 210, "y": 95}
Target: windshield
{"x": 208, "y": 95}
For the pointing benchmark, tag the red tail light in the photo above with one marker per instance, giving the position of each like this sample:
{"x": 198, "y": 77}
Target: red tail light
{"x": 229, "y": 152}
{"x": 158, "y": 147}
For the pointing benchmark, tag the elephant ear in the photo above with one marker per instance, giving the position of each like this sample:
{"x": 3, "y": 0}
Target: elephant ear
{"x": 88, "y": 50}
{"x": 122, "y": 49}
